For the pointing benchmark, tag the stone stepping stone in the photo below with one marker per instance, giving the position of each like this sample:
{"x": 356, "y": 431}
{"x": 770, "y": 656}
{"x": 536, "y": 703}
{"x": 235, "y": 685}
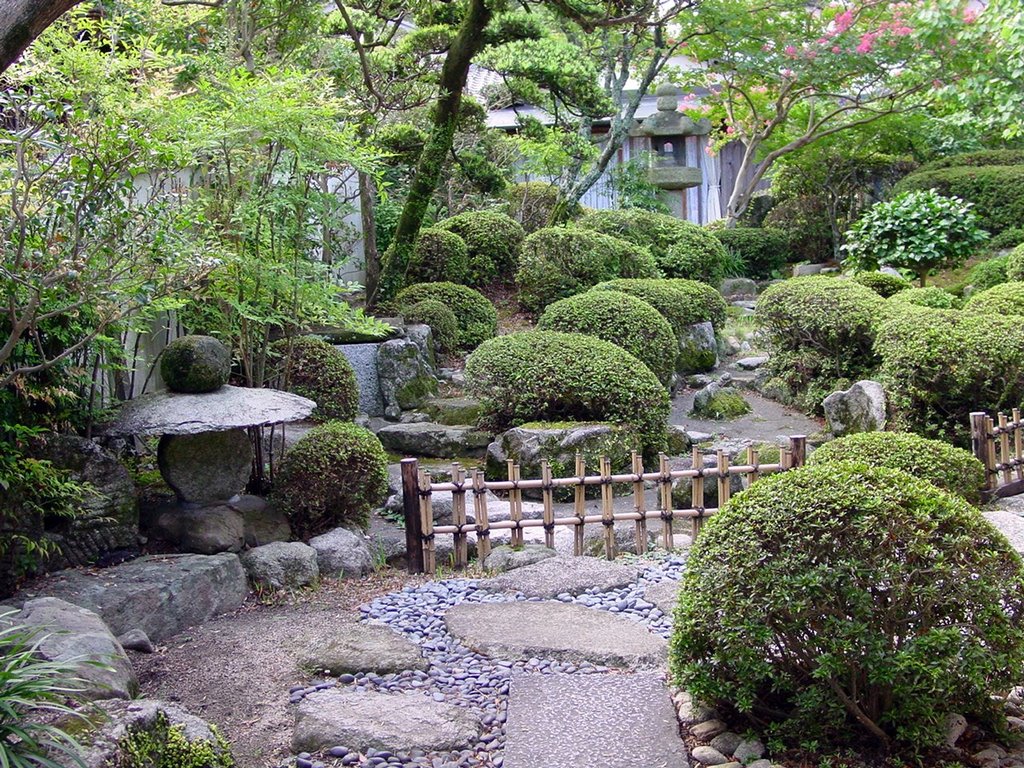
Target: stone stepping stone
{"x": 665, "y": 595}
{"x": 612, "y": 721}
{"x": 562, "y": 574}
{"x": 365, "y": 720}
{"x": 363, "y": 648}
{"x": 552, "y": 630}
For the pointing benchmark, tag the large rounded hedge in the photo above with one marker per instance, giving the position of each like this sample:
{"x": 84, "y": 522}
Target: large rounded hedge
{"x": 764, "y": 250}
{"x": 984, "y": 157}
{"x": 476, "y": 316}
{"x": 623, "y": 320}
{"x": 313, "y": 368}
{"x": 997, "y": 191}
{"x": 682, "y": 302}
{"x": 1004, "y": 299}
{"x": 841, "y": 601}
{"x": 938, "y": 366}
{"x": 442, "y": 321}
{"x": 550, "y": 376}
{"x": 1015, "y": 264}
{"x": 492, "y": 240}
{"x": 929, "y": 296}
{"x": 331, "y": 477}
{"x": 941, "y": 464}
{"x": 562, "y": 261}
{"x": 994, "y": 271}
{"x": 819, "y": 332}
{"x": 885, "y": 285}
{"x": 438, "y": 255}
{"x": 680, "y": 249}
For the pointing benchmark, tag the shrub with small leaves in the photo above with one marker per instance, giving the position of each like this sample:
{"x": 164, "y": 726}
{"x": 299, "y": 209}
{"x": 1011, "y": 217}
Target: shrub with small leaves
{"x": 311, "y": 367}
{"x": 883, "y": 284}
{"x": 929, "y": 296}
{"x": 493, "y": 241}
{"x": 530, "y": 203}
{"x": 842, "y": 601}
{"x": 333, "y": 476}
{"x": 442, "y": 322}
{"x": 764, "y": 251}
{"x": 1004, "y": 299}
{"x": 476, "y": 316}
{"x": 1008, "y": 238}
{"x": 805, "y": 221}
{"x": 682, "y": 302}
{"x": 1015, "y": 264}
{"x": 990, "y": 272}
{"x": 438, "y": 256}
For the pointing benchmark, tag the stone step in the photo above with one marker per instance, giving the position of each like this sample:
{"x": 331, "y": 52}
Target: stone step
{"x": 608, "y": 720}
{"x": 429, "y": 439}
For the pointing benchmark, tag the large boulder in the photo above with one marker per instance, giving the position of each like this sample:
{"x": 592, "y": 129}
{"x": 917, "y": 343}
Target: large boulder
{"x": 342, "y": 552}
{"x": 428, "y": 439}
{"x": 281, "y": 565}
{"x": 77, "y": 636}
{"x": 212, "y": 466}
{"x": 738, "y": 288}
{"x": 406, "y": 376}
{"x": 203, "y": 530}
{"x": 454, "y": 410}
{"x": 263, "y": 522}
{"x": 861, "y": 408}
{"x": 363, "y": 359}
{"x": 698, "y": 349}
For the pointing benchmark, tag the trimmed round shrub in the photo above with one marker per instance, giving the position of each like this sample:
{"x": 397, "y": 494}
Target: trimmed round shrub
{"x": 195, "y": 364}
{"x": 313, "y": 368}
{"x": 929, "y": 296}
{"x": 939, "y": 365}
{"x": 476, "y": 316}
{"x": 1004, "y": 299}
{"x": 883, "y": 284}
{"x": 941, "y": 464}
{"x": 990, "y": 272}
{"x": 331, "y": 477}
{"x": 551, "y": 376}
{"x": 976, "y": 159}
{"x": 623, "y": 320}
{"x": 442, "y": 322}
{"x": 438, "y": 256}
{"x": 841, "y": 601}
{"x": 531, "y": 203}
{"x": 493, "y": 241}
{"x": 819, "y": 332}
{"x": 764, "y": 251}
{"x": 1008, "y": 238}
{"x": 558, "y": 262}
{"x": 682, "y": 302}
{"x": 680, "y": 248}
{"x": 806, "y": 224}
{"x": 996, "y": 191}
{"x": 1015, "y": 264}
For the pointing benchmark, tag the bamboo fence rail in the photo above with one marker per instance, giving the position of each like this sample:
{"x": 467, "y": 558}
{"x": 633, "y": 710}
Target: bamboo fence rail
{"x": 998, "y": 443}
{"x": 418, "y": 489}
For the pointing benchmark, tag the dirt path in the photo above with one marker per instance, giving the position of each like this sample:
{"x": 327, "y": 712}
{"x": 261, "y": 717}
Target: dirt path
{"x": 765, "y": 423}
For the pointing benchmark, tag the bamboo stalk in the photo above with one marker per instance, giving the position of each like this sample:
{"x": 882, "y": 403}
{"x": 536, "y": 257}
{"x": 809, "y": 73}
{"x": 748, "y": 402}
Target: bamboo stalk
{"x": 750, "y": 478}
{"x": 1018, "y": 444}
{"x": 607, "y": 509}
{"x": 989, "y": 427}
{"x": 723, "y": 479}
{"x": 427, "y": 524}
{"x": 665, "y": 492}
{"x": 483, "y": 529}
{"x": 459, "y": 518}
{"x": 580, "y": 504}
{"x": 549, "y": 512}
{"x": 1004, "y": 449}
{"x": 639, "y": 505}
{"x": 697, "y": 492}
{"x": 515, "y": 501}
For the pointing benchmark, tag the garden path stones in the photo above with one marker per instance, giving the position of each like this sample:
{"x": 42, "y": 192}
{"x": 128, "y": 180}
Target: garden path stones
{"x": 553, "y": 630}
{"x": 564, "y": 574}
{"x": 609, "y": 720}
{"x": 364, "y": 720}
{"x": 361, "y": 647}
{"x": 665, "y": 595}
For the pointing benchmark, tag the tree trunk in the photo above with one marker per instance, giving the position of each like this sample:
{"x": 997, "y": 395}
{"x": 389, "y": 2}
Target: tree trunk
{"x": 464, "y": 47}
{"x": 368, "y": 219}
{"x": 22, "y": 21}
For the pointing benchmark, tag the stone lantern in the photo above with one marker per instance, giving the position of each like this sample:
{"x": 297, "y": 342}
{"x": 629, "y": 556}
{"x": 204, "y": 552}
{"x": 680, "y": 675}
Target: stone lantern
{"x": 668, "y": 130}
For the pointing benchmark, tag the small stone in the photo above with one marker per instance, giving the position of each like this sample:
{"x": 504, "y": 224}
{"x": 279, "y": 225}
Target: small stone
{"x": 956, "y": 724}
{"x": 709, "y": 755}
{"x": 136, "y": 640}
{"x": 751, "y": 363}
{"x": 748, "y": 750}
{"x": 707, "y": 730}
{"x": 1015, "y": 724}
{"x": 727, "y": 742}
{"x": 760, "y": 764}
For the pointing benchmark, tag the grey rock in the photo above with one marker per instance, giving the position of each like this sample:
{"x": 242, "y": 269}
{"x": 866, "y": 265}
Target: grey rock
{"x": 624, "y": 537}
{"x": 505, "y": 558}
{"x": 406, "y": 374}
{"x": 1010, "y": 524}
{"x": 738, "y": 287}
{"x": 136, "y": 640}
{"x": 562, "y": 631}
{"x": 802, "y": 270}
{"x": 678, "y": 440}
{"x": 760, "y": 764}
{"x": 363, "y": 720}
{"x": 77, "y": 636}
{"x": 422, "y": 336}
{"x": 727, "y": 742}
{"x": 363, "y": 359}
{"x": 698, "y": 349}
{"x": 195, "y": 364}
{"x": 751, "y": 363}
{"x": 203, "y": 530}
{"x": 281, "y": 565}
{"x": 342, "y": 552}
{"x": 173, "y": 413}
{"x": 708, "y": 755}
{"x": 748, "y": 750}
{"x": 454, "y": 410}
{"x": 891, "y": 271}
{"x": 161, "y": 595}
{"x": 703, "y": 405}
{"x": 707, "y": 730}
{"x": 263, "y": 523}
{"x": 699, "y": 437}
{"x": 427, "y": 439}
{"x": 357, "y": 647}
{"x": 212, "y": 466}
{"x": 861, "y": 408}
{"x": 564, "y": 573}
{"x": 956, "y": 724}
{"x": 665, "y": 595}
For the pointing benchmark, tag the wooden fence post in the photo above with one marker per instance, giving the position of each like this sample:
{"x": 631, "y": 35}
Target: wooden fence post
{"x": 980, "y": 448}
{"x": 798, "y": 451}
{"x": 411, "y": 511}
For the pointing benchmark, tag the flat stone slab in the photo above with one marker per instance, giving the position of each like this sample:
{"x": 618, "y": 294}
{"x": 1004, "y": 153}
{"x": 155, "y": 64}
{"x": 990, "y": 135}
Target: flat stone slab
{"x": 359, "y": 647}
{"x": 363, "y": 720}
{"x": 611, "y": 721}
{"x": 426, "y": 438}
{"x": 1009, "y": 523}
{"x": 552, "y": 630}
{"x": 752, "y": 363}
{"x": 665, "y": 595}
{"x": 564, "y": 573}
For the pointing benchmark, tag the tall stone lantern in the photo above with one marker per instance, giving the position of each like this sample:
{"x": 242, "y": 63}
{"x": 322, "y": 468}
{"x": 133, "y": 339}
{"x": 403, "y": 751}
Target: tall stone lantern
{"x": 668, "y": 130}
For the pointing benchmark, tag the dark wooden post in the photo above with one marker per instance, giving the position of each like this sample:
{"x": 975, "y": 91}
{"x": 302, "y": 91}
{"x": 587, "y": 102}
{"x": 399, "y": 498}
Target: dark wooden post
{"x": 411, "y": 510}
{"x": 798, "y": 450}
{"x": 979, "y": 447}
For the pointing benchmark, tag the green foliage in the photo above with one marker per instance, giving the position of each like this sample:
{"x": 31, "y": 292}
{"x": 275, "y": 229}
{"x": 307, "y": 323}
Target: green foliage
{"x": 819, "y": 333}
{"x": 633, "y": 189}
{"x": 557, "y": 262}
{"x": 441, "y": 319}
{"x": 334, "y": 476}
{"x": 682, "y": 302}
{"x": 921, "y": 231}
{"x": 765, "y": 251}
{"x": 493, "y": 240}
{"x": 941, "y": 464}
{"x": 1015, "y": 264}
{"x": 991, "y": 272}
{"x": 162, "y": 745}
{"x": 476, "y": 316}
{"x": 881, "y": 283}
{"x": 996, "y": 192}
{"x": 531, "y": 203}
{"x": 438, "y": 256}
{"x": 311, "y": 367}
{"x": 929, "y": 296}
{"x": 550, "y": 376}
{"x": 625, "y": 321}
{"x": 1008, "y": 238}
{"x": 723, "y": 405}
{"x": 937, "y": 366}
{"x": 805, "y": 221}
{"x": 1003, "y": 299}
{"x": 843, "y": 600}
{"x": 195, "y": 364}
{"x": 983, "y": 158}
{"x": 33, "y": 693}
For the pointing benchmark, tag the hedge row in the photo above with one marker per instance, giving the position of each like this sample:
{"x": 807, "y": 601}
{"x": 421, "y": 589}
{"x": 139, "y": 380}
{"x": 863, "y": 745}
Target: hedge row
{"x": 997, "y": 192}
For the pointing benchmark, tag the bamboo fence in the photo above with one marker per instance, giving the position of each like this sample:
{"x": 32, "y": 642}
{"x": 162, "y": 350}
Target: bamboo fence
{"x": 998, "y": 443}
{"x": 418, "y": 489}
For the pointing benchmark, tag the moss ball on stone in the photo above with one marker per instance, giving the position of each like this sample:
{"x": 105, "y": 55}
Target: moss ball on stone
{"x": 195, "y": 364}
{"x": 313, "y": 368}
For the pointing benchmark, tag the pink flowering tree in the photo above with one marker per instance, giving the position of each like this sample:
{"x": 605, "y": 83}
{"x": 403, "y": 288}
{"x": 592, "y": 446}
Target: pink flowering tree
{"x": 783, "y": 74}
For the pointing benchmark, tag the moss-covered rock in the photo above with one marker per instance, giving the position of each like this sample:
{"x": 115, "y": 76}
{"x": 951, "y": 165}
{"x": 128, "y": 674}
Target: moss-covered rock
{"x": 698, "y": 349}
{"x": 719, "y": 403}
{"x": 195, "y": 364}
{"x": 454, "y": 411}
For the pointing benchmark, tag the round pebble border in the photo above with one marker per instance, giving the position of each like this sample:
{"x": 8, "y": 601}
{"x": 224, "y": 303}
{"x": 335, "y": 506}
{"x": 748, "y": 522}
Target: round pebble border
{"x": 457, "y": 675}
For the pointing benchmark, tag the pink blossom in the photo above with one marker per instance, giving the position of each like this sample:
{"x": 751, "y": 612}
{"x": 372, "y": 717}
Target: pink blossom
{"x": 811, "y": 55}
{"x": 970, "y": 16}
{"x": 836, "y": 49}
{"x": 766, "y": 47}
{"x": 787, "y": 73}
{"x": 867, "y": 42}
{"x": 902, "y": 31}
{"x": 730, "y": 130}
{"x": 791, "y": 51}
{"x": 822, "y": 40}
{"x": 843, "y": 21}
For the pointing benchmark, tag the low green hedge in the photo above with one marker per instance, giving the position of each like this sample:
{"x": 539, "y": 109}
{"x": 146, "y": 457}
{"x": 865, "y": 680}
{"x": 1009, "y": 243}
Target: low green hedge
{"x": 997, "y": 192}
{"x": 883, "y": 284}
{"x": 313, "y": 368}
{"x": 437, "y": 256}
{"x": 493, "y": 241}
{"x": 990, "y": 272}
{"x": 558, "y": 262}
{"x": 1004, "y": 299}
{"x": 1015, "y": 264}
{"x": 550, "y": 376}
{"x": 1008, "y": 238}
{"x": 929, "y": 296}
{"x": 984, "y": 157}
{"x": 764, "y": 250}
{"x": 476, "y": 316}
{"x": 682, "y": 302}
{"x": 442, "y": 321}
{"x": 941, "y": 464}
{"x": 623, "y": 320}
